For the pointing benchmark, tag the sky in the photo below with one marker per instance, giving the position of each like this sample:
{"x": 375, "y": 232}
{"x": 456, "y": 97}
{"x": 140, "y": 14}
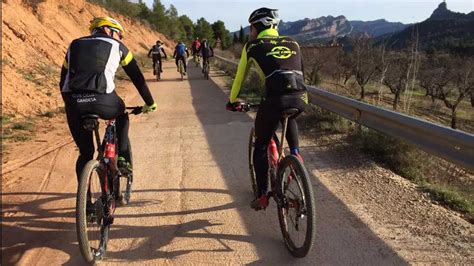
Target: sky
{"x": 236, "y": 12}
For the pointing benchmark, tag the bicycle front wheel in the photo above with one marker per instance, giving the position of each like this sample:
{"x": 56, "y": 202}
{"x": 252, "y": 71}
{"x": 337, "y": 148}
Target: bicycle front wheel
{"x": 253, "y": 178}
{"x": 92, "y": 232}
{"x": 296, "y": 210}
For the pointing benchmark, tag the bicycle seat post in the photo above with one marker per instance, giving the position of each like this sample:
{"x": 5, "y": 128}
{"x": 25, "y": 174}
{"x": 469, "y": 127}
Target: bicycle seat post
{"x": 283, "y": 135}
{"x": 97, "y": 139}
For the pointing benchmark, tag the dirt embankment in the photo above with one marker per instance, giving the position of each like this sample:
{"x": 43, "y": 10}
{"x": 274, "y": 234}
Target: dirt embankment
{"x": 35, "y": 37}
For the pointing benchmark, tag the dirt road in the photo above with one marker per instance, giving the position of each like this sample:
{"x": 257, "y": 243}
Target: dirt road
{"x": 191, "y": 195}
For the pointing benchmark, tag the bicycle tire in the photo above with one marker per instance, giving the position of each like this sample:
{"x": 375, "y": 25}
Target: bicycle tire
{"x": 304, "y": 186}
{"x": 157, "y": 71}
{"x": 253, "y": 178}
{"x": 181, "y": 69}
{"x": 125, "y": 194}
{"x": 81, "y": 217}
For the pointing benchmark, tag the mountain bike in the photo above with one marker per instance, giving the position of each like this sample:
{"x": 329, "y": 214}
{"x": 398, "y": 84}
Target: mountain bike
{"x": 205, "y": 67}
{"x": 102, "y": 185}
{"x": 290, "y": 188}
{"x": 197, "y": 59}
{"x": 158, "y": 70}
{"x": 181, "y": 68}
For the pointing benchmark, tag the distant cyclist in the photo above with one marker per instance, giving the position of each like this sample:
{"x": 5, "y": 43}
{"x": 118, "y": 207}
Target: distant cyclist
{"x": 206, "y": 51}
{"x": 279, "y": 63}
{"x": 155, "y": 52}
{"x": 87, "y": 86}
{"x": 195, "y": 46}
{"x": 181, "y": 53}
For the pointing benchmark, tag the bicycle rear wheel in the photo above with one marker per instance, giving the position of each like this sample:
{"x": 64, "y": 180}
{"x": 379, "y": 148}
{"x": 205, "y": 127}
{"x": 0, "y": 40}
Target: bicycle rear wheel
{"x": 158, "y": 71}
{"x": 253, "y": 178}
{"x": 92, "y": 232}
{"x": 208, "y": 68}
{"x": 181, "y": 69}
{"x": 126, "y": 181}
{"x": 296, "y": 208}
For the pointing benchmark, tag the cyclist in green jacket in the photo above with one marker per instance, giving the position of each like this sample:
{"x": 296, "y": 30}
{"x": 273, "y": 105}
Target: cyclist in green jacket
{"x": 278, "y": 62}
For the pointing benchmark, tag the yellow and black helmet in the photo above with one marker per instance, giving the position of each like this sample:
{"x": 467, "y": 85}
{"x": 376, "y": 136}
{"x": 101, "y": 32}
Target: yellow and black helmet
{"x": 113, "y": 24}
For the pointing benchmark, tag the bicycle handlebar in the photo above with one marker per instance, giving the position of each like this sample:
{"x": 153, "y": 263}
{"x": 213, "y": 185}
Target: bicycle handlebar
{"x": 136, "y": 110}
{"x": 246, "y": 107}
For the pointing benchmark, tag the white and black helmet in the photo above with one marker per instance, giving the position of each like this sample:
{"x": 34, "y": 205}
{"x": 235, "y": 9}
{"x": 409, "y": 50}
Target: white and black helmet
{"x": 266, "y": 16}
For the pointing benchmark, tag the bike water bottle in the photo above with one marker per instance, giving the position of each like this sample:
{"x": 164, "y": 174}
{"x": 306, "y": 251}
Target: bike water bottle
{"x": 273, "y": 150}
{"x": 110, "y": 150}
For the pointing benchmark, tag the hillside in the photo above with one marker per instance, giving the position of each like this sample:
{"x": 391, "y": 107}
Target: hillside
{"x": 35, "y": 37}
{"x": 323, "y": 28}
{"x": 377, "y": 28}
{"x": 327, "y": 28}
{"x": 443, "y": 30}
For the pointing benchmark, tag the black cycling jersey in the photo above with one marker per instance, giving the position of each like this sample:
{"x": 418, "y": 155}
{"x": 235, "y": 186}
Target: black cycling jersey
{"x": 206, "y": 51}
{"x": 91, "y": 63}
{"x": 278, "y": 61}
{"x": 156, "y": 51}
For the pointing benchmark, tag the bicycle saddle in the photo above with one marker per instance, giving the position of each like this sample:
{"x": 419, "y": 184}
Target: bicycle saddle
{"x": 289, "y": 112}
{"x": 90, "y": 121}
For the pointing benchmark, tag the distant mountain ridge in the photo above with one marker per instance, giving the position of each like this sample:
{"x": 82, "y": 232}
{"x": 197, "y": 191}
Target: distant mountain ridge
{"x": 328, "y": 28}
{"x": 443, "y": 30}
{"x": 378, "y": 27}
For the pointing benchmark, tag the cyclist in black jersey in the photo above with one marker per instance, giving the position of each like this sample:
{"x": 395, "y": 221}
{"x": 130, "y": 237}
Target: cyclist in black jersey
{"x": 206, "y": 51}
{"x": 155, "y": 53}
{"x": 87, "y": 86}
{"x": 279, "y": 64}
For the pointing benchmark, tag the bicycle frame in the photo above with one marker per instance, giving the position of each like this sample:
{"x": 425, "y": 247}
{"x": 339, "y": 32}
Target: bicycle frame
{"x": 109, "y": 166}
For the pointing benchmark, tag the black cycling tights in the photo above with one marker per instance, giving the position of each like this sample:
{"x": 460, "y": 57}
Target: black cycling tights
{"x": 266, "y": 123}
{"x": 107, "y": 106}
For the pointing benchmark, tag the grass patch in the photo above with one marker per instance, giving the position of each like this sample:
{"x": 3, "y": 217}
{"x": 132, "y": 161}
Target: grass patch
{"x": 421, "y": 168}
{"x": 450, "y": 197}
{"x": 6, "y": 62}
{"x": 20, "y": 138}
{"x": 27, "y": 126}
{"x": 47, "y": 70}
{"x": 6, "y": 119}
{"x": 398, "y": 156}
{"x": 18, "y": 132}
{"x": 28, "y": 76}
{"x": 6, "y": 133}
{"x": 61, "y": 110}
{"x": 48, "y": 114}
{"x": 144, "y": 61}
{"x": 316, "y": 119}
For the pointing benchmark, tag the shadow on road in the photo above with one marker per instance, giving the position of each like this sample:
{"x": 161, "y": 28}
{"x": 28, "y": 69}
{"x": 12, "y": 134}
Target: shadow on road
{"x": 341, "y": 237}
{"x": 32, "y": 225}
